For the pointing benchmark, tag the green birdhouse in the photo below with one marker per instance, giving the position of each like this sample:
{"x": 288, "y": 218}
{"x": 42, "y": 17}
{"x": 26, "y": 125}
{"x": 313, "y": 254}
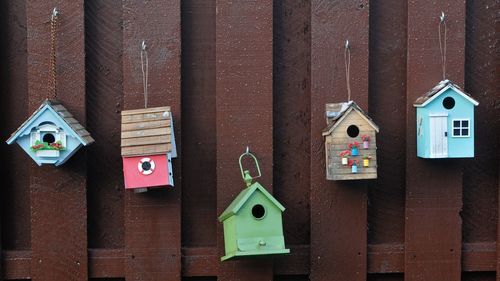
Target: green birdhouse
{"x": 253, "y": 224}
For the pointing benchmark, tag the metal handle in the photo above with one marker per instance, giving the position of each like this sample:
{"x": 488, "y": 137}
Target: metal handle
{"x": 245, "y": 174}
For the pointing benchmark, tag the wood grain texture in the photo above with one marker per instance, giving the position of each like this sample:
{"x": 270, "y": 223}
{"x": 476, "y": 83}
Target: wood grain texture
{"x": 152, "y": 219}
{"x": 481, "y": 195}
{"x": 244, "y": 99}
{"x": 14, "y": 193}
{"x": 58, "y": 195}
{"x": 433, "y": 227}
{"x": 338, "y": 209}
{"x": 387, "y": 102}
{"x": 199, "y": 185}
{"x": 105, "y": 192}
{"x": 291, "y": 117}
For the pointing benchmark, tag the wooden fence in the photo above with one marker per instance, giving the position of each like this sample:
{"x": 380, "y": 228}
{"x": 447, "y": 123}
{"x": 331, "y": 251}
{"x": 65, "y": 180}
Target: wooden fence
{"x": 249, "y": 73}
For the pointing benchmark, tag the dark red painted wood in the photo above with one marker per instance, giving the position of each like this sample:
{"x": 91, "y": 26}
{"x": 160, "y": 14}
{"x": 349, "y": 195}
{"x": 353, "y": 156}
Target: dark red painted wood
{"x": 244, "y": 100}
{"x": 433, "y": 187}
{"x": 15, "y": 190}
{"x": 338, "y": 208}
{"x": 58, "y": 195}
{"x": 103, "y": 46}
{"x": 292, "y": 107}
{"x": 387, "y": 78}
{"x": 199, "y": 193}
{"x": 152, "y": 219}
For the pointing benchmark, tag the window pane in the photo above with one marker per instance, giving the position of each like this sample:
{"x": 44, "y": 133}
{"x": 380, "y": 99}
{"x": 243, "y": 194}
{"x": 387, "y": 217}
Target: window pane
{"x": 456, "y": 123}
{"x": 465, "y": 123}
{"x": 465, "y": 132}
{"x": 456, "y": 132}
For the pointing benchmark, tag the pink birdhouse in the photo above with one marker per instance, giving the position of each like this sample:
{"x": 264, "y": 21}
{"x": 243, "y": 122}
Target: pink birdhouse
{"x": 147, "y": 147}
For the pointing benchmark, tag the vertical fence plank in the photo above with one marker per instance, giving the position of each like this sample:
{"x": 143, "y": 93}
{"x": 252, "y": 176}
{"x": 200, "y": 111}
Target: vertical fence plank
{"x": 433, "y": 232}
{"x": 152, "y": 219}
{"x": 244, "y": 65}
{"x": 58, "y": 195}
{"x": 386, "y": 195}
{"x": 199, "y": 190}
{"x": 338, "y": 209}
{"x": 105, "y": 192}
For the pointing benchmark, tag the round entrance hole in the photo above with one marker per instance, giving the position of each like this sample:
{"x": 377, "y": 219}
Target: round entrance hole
{"x": 146, "y": 166}
{"x": 449, "y": 102}
{"x": 353, "y": 131}
{"x": 49, "y": 138}
{"x": 258, "y": 211}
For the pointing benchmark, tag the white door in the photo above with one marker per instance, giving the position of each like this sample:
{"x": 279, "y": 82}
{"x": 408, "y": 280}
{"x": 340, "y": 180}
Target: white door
{"x": 439, "y": 136}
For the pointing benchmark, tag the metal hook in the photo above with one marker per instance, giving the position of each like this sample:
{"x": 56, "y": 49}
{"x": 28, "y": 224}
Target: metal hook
{"x": 247, "y": 150}
{"x": 55, "y": 13}
{"x": 347, "y": 44}
{"x": 143, "y": 45}
{"x": 442, "y": 17}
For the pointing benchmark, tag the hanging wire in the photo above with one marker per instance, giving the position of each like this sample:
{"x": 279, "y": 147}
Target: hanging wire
{"x": 347, "y": 62}
{"x": 442, "y": 43}
{"x": 53, "y": 33}
{"x": 145, "y": 72}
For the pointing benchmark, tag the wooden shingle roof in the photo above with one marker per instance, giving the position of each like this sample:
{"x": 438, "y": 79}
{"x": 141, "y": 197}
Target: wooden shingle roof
{"x": 81, "y": 133}
{"x": 440, "y": 88}
{"x": 335, "y": 113}
{"x": 146, "y": 131}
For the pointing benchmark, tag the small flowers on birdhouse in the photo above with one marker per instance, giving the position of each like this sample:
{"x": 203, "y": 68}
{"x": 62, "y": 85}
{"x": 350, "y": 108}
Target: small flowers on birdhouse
{"x": 354, "y": 165}
{"x": 366, "y": 141}
{"x": 366, "y": 160}
{"x": 354, "y": 148}
{"x": 345, "y": 156}
{"x": 348, "y": 128}
{"x": 51, "y": 135}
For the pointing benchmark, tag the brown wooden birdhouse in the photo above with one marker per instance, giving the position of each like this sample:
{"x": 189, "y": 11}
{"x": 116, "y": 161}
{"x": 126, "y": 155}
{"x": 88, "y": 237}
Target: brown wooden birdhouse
{"x": 350, "y": 143}
{"x": 148, "y": 146}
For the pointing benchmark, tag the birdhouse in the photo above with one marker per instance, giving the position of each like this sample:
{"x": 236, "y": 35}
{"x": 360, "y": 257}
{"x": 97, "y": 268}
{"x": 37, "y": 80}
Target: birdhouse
{"x": 350, "y": 143}
{"x": 51, "y": 135}
{"x": 253, "y": 221}
{"x": 147, "y": 147}
{"x": 445, "y": 122}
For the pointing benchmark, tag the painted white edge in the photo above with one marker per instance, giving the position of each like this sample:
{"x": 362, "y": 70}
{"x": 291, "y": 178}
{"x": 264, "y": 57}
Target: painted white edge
{"x": 467, "y": 97}
{"x": 452, "y": 128}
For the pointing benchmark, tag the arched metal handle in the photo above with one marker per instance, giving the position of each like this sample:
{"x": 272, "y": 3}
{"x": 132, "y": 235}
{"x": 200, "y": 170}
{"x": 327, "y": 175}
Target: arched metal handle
{"x": 247, "y": 153}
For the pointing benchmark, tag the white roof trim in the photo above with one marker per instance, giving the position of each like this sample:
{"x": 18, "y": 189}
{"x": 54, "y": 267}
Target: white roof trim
{"x": 467, "y": 97}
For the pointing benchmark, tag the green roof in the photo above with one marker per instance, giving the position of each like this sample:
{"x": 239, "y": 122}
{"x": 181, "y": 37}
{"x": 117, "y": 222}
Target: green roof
{"x": 243, "y": 197}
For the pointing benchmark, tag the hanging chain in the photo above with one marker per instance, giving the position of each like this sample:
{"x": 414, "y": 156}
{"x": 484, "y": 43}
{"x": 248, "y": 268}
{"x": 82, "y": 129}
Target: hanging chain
{"x": 53, "y": 34}
{"x": 347, "y": 62}
{"x": 145, "y": 72}
{"x": 442, "y": 45}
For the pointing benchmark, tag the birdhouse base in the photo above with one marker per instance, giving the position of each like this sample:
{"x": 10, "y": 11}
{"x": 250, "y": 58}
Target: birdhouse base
{"x": 239, "y": 255}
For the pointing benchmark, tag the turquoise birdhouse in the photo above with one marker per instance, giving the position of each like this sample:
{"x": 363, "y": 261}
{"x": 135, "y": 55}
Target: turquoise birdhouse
{"x": 253, "y": 223}
{"x": 445, "y": 122}
{"x": 51, "y": 135}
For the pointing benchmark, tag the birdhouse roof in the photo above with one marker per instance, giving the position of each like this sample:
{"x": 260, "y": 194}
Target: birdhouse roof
{"x": 440, "y": 88}
{"x": 336, "y": 112}
{"x": 147, "y": 132}
{"x": 62, "y": 114}
{"x": 243, "y": 197}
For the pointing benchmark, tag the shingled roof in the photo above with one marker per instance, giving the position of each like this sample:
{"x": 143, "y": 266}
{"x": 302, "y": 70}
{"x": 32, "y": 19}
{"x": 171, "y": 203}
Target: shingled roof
{"x": 147, "y": 132}
{"x": 81, "y": 133}
{"x": 335, "y": 113}
{"x": 440, "y": 88}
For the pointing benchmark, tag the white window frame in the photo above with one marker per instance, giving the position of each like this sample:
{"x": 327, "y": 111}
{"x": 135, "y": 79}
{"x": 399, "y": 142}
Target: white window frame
{"x": 460, "y": 127}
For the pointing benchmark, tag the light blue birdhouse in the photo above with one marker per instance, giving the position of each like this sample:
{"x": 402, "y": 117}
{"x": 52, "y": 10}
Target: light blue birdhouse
{"x": 445, "y": 122}
{"x": 51, "y": 135}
